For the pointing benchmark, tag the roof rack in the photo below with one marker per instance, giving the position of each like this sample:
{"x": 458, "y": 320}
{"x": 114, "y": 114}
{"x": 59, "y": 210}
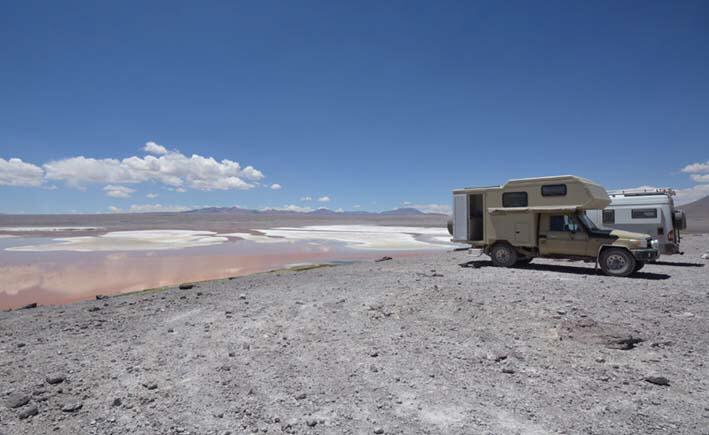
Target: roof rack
{"x": 642, "y": 192}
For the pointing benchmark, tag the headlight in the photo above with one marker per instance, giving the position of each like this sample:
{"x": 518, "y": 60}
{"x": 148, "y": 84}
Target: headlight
{"x": 655, "y": 244}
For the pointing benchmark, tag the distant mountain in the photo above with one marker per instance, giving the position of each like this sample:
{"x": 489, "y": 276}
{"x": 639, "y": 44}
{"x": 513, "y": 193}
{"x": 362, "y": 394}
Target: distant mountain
{"x": 407, "y": 211}
{"x": 697, "y": 213}
{"x": 699, "y": 207}
{"x": 319, "y": 212}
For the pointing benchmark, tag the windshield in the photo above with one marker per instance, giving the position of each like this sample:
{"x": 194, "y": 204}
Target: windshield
{"x": 586, "y": 221}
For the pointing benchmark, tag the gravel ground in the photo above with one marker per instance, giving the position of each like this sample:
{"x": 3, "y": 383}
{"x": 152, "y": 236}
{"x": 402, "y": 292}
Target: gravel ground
{"x": 410, "y": 345}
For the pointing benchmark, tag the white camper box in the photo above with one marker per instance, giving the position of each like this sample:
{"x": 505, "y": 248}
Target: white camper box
{"x": 649, "y": 211}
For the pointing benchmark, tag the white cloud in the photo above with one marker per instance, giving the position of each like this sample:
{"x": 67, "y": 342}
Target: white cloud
{"x": 153, "y": 148}
{"x": 151, "y": 195}
{"x": 306, "y": 198}
{"x": 696, "y": 168}
{"x": 431, "y": 208}
{"x": 172, "y": 169}
{"x": 700, "y": 178}
{"x": 114, "y": 209}
{"x": 324, "y": 199}
{"x": 290, "y": 207}
{"x": 118, "y": 191}
{"x": 276, "y": 186}
{"x": 356, "y": 206}
{"x": 152, "y": 208}
{"x": 15, "y": 172}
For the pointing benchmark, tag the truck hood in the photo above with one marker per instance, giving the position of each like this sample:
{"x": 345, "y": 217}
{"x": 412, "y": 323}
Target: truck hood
{"x": 628, "y": 235}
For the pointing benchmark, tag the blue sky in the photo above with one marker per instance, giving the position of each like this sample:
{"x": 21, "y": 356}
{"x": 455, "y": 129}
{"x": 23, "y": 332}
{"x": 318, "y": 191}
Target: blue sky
{"x": 371, "y": 104}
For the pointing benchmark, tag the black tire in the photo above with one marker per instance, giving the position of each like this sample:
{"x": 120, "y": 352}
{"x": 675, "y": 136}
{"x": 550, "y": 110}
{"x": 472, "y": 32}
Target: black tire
{"x": 638, "y": 265}
{"x": 617, "y": 262}
{"x": 503, "y": 255}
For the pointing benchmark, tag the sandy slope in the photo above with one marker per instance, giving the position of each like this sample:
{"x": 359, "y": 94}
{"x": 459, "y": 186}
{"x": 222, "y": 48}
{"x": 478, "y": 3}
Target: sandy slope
{"x": 389, "y": 347}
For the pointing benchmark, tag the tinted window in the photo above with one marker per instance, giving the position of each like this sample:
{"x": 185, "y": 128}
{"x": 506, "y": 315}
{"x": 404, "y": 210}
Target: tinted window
{"x": 608, "y": 216}
{"x": 643, "y": 213}
{"x": 562, "y": 223}
{"x": 514, "y": 199}
{"x": 554, "y": 190}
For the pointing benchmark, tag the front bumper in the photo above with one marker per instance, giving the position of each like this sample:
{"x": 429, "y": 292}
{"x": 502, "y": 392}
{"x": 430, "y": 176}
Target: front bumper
{"x": 645, "y": 254}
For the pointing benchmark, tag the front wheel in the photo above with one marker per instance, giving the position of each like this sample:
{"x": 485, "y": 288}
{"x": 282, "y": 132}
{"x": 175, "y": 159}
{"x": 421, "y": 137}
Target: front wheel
{"x": 503, "y": 255}
{"x": 617, "y": 262}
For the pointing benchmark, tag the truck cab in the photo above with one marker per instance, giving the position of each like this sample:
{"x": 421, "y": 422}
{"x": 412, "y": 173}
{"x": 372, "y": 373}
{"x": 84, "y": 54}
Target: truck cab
{"x": 546, "y": 217}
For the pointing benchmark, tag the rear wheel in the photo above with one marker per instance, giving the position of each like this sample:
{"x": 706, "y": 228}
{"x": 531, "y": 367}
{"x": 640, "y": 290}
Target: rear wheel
{"x": 617, "y": 262}
{"x": 503, "y": 255}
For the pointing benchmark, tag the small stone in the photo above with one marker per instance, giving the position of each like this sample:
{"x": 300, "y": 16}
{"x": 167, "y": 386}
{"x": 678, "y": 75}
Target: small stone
{"x": 300, "y": 396}
{"x": 242, "y": 296}
{"x": 374, "y": 354}
{"x": 101, "y": 297}
{"x": 28, "y": 412}
{"x": 116, "y": 402}
{"x": 55, "y": 378}
{"x": 170, "y": 330}
{"x": 28, "y": 306}
{"x": 150, "y": 385}
{"x": 385, "y": 258}
{"x": 15, "y": 400}
{"x": 508, "y": 370}
{"x": 378, "y": 430}
{"x": 72, "y": 407}
{"x": 311, "y": 422}
{"x": 658, "y": 380}
{"x": 21, "y": 345}
{"x": 186, "y": 286}
{"x": 232, "y": 354}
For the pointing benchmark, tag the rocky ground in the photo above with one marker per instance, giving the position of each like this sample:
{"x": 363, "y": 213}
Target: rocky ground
{"x": 409, "y": 345}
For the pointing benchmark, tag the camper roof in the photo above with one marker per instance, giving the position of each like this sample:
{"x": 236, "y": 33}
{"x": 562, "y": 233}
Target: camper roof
{"x": 584, "y": 195}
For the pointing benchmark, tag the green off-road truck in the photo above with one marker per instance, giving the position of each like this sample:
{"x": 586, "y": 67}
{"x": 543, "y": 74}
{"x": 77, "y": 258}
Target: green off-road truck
{"x": 546, "y": 217}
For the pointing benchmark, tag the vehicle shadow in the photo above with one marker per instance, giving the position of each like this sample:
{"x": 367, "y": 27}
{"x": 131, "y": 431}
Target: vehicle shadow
{"x": 678, "y": 264}
{"x": 566, "y": 269}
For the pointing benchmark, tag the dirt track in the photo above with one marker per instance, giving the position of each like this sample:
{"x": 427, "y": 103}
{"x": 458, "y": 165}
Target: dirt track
{"x": 415, "y": 345}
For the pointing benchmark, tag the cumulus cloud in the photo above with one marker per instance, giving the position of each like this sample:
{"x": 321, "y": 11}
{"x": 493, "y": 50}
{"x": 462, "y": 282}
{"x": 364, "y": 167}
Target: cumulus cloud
{"x": 430, "y": 208}
{"x": 306, "y": 198}
{"x": 290, "y": 207}
{"x": 118, "y": 191}
{"x": 700, "y": 178}
{"x": 696, "y": 168}
{"x": 324, "y": 199}
{"x": 154, "y": 208}
{"x": 151, "y": 195}
{"x": 114, "y": 209}
{"x": 153, "y": 148}
{"x": 276, "y": 186}
{"x": 15, "y": 172}
{"x": 171, "y": 168}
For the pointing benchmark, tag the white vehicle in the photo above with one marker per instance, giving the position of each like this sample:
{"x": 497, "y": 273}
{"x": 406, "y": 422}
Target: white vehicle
{"x": 649, "y": 211}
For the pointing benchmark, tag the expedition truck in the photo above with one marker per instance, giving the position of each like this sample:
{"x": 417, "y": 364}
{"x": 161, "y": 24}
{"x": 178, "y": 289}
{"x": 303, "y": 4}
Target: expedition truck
{"x": 650, "y": 211}
{"x": 546, "y": 217}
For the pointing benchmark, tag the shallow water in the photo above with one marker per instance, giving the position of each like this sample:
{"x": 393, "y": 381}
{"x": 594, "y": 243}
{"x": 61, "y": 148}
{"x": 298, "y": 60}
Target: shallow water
{"x": 38, "y": 269}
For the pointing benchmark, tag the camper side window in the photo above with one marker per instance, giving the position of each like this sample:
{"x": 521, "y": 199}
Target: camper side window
{"x": 554, "y": 190}
{"x": 643, "y": 213}
{"x": 608, "y": 216}
{"x": 514, "y": 199}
